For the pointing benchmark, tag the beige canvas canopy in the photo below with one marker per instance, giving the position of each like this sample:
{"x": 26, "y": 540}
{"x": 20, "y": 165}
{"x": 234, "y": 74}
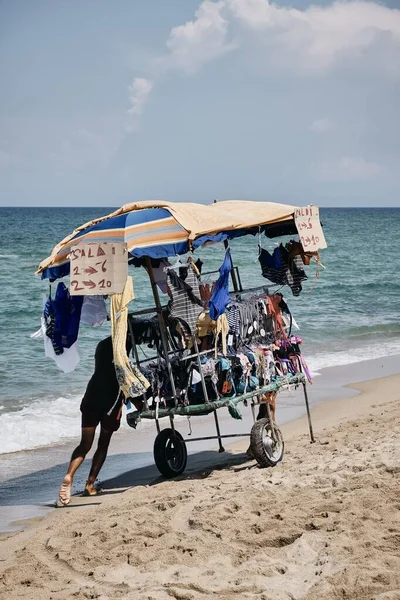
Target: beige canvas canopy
{"x": 226, "y": 215}
{"x": 184, "y": 223}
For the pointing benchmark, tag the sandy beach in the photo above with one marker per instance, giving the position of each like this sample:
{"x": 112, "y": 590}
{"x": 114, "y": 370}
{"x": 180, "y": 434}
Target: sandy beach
{"x": 325, "y": 523}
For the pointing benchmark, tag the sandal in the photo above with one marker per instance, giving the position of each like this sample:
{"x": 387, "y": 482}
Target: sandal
{"x": 64, "y": 494}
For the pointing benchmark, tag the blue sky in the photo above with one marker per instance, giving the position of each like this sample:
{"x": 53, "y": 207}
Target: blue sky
{"x": 104, "y": 102}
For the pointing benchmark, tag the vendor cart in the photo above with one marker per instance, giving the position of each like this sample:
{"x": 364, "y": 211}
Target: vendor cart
{"x": 154, "y": 231}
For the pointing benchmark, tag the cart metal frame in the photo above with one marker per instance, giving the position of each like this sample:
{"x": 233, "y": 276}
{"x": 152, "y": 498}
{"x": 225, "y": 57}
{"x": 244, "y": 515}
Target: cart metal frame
{"x": 255, "y": 396}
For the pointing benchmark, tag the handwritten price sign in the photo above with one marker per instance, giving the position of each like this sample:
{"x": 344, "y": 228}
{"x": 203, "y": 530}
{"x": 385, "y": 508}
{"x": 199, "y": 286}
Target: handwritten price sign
{"x": 98, "y": 268}
{"x": 309, "y": 227}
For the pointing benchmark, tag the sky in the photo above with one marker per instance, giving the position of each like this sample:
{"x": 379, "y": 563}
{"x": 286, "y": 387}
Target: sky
{"x": 103, "y": 103}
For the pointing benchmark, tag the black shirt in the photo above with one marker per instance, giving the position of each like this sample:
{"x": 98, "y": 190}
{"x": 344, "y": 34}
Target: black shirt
{"x": 102, "y": 389}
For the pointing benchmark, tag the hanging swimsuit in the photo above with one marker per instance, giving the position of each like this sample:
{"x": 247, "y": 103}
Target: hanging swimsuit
{"x": 186, "y": 302}
{"x": 275, "y": 311}
{"x": 206, "y": 291}
{"x": 220, "y": 297}
{"x": 295, "y": 273}
{"x": 67, "y": 315}
{"x": 233, "y": 318}
{"x": 223, "y": 329}
{"x": 272, "y": 266}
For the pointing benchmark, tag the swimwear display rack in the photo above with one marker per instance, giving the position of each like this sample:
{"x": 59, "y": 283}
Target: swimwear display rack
{"x": 170, "y": 452}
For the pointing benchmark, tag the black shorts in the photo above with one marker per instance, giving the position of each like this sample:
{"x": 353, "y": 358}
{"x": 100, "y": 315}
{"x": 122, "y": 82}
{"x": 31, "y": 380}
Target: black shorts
{"x": 91, "y": 418}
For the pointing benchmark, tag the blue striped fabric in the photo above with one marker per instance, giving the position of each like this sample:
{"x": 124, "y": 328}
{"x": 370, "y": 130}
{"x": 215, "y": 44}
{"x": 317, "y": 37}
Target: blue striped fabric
{"x": 148, "y": 232}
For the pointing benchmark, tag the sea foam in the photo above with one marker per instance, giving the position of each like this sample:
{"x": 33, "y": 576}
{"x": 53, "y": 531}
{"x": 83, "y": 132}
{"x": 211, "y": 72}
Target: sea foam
{"x": 42, "y": 422}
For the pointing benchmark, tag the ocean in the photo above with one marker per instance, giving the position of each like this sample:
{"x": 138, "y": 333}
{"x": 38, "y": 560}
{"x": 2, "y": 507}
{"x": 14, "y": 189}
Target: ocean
{"x": 349, "y": 314}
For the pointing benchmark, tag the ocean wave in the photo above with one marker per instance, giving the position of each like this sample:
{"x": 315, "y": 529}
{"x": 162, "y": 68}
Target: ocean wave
{"x": 390, "y": 329}
{"x": 9, "y": 255}
{"x": 369, "y": 284}
{"x": 367, "y": 351}
{"x": 44, "y": 422}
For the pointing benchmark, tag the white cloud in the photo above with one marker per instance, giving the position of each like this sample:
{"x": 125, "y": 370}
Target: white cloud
{"x": 199, "y": 41}
{"x": 139, "y": 91}
{"x": 322, "y": 125}
{"x": 316, "y": 38}
{"x": 309, "y": 41}
{"x": 347, "y": 168}
{"x": 312, "y": 40}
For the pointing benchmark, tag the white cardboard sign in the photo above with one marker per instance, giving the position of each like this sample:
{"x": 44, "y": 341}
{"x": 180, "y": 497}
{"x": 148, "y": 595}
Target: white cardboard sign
{"x": 309, "y": 227}
{"x": 98, "y": 268}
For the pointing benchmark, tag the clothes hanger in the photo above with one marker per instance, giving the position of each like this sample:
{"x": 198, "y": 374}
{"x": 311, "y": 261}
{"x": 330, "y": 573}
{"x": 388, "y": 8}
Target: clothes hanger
{"x": 177, "y": 265}
{"x": 259, "y": 244}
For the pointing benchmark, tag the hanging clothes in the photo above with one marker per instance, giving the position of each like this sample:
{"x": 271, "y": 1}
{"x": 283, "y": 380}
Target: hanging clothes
{"x": 94, "y": 311}
{"x": 206, "y": 291}
{"x": 185, "y": 294}
{"x": 233, "y": 318}
{"x": 49, "y": 319}
{"x": 282, "y": 268}
{"x": 68, "y": 360}
{"x": 222, "y": 329}
{"x": 205, "y": 324}
{"x": 131, "y": 381}
{"x": 272, "y": 266}
{"x": 274, "y": 310}
{"x": 160, "y": 276}
{"x": 67, "y": 315}
{"x": 158, "y": 266}
{"x": 295, "y": 273}
{"x": 220, "y": 297}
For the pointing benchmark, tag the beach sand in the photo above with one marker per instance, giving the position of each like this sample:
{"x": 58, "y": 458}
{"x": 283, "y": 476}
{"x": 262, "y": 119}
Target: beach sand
{"x": 323, "y": 524}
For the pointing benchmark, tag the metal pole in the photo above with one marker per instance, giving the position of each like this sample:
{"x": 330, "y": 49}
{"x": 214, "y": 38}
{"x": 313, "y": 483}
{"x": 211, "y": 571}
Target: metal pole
{"x": 214, "y": 437}
{"x": 162, "y": 326}
{"x": 310, "y": 427}
{"x": 221, "y": 448}
{"x": 272, "y": 424}
{"x": 233, "y": 273}
{"x": 206, "y": 399}
{"x": 253, "y": 412}
{"x": 237, "y": 273}
{"x": 203, "y": 381}
{"x": 171, "y": 420}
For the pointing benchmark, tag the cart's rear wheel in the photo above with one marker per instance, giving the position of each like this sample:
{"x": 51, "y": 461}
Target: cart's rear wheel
{"x": 170, "y": 453}
{"x": 265, "y": 450}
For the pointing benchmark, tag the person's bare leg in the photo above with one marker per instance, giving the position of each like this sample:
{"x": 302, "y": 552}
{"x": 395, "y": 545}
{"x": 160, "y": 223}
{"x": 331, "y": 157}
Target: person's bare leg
{"x": 98, "y": 461}
{"x": 77, "y": 458}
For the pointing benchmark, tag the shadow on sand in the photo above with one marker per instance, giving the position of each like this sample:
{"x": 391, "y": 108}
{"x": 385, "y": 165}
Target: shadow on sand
{"x": 40, "y": 487}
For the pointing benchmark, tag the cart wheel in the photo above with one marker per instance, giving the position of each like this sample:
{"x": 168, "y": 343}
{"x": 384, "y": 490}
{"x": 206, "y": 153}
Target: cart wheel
{"x": 266, "y": 452}
{"x": 170, "y": 454}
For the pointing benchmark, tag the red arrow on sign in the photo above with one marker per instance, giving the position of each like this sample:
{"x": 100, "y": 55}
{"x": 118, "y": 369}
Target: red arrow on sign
{"x": 90, "y": 270}
{"x": 89, "y": 284}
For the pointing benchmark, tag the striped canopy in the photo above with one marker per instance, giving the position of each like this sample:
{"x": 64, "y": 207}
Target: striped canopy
{"x": 160, "y": 229}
